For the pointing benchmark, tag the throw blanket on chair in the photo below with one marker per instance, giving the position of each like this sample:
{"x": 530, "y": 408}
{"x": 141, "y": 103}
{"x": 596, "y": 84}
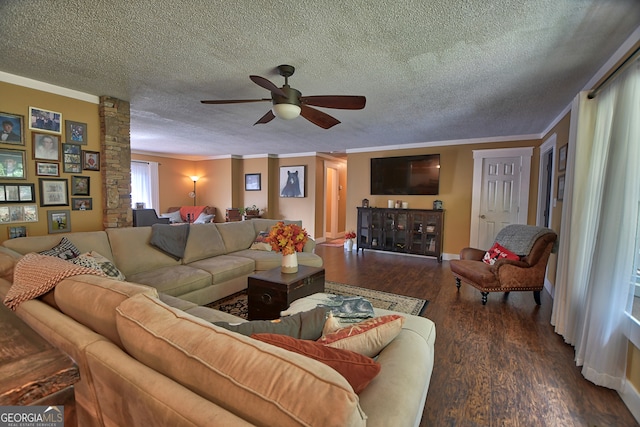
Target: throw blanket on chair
{"x": 171, "y": 239}
{"x": 194, "y": 211}
{"x": 36, "y": 274}
{"x": 519, "y": 238}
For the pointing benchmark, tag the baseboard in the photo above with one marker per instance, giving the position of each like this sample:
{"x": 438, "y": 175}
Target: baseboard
{"x": 631, "y": 399}
{"x": 549, "y": 287}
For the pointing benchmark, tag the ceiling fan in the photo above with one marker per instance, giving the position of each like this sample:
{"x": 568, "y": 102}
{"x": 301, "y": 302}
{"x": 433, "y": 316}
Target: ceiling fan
{"x": 288, "y": 103}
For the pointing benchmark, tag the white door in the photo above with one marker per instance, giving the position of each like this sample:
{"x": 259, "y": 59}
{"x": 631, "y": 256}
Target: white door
{"x": 500, "y": 194}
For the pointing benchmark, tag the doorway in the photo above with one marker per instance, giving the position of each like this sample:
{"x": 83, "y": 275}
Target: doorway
{"x": 545, "y": 182}
{"x": 500, "y": 192}
{"x": 331, "y": 200}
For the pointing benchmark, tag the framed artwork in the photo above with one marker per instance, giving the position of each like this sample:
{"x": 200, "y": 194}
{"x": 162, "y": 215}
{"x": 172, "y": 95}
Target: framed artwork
{"x": 75, "y": 132}
{"x": 71, "y": 158}
{"x": 17, "y": 193}
{"x": 53, "y": 192}
{"x": 46, "y": 147}
{"x": 47, "y": 169}
{"x": 49, "y": 121}
{"x": 79, "y": 185}
{"x": 560, "y": 187}
{"x": 12, "y": 164}
{"x": 19, "y": 213}
{"x": 90, "y": 160}
{"x": 292, "y": 181}
{"x": 562, "y": 158}
{"x": 252, "y": 182}
{"x": 81, "y": 203}
{"x": 12, "y": 129}
{"x": 19, "y": 231}
{"x": 59, "y": 221}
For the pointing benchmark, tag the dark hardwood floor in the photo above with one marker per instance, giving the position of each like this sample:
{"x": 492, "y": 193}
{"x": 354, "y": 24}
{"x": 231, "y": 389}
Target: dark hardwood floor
{"x": 500, "y": 364}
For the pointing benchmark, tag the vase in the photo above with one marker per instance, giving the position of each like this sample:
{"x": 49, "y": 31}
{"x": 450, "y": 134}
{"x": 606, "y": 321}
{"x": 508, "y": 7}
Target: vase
{"x": 348, "y": 244}
{"x": 290, "y": 263}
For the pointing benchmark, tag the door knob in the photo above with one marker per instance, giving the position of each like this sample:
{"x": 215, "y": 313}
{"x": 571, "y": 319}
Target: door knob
{"x": 483, "y": 217}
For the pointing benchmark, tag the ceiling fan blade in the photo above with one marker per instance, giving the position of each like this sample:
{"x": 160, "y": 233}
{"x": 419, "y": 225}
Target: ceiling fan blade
{"x": 266, "y": 118}
{"x": 234, "y": 101}
{"x": 343, "y": 102}
{"x": 317, "y": 117}
{"x": 261, "y": 81}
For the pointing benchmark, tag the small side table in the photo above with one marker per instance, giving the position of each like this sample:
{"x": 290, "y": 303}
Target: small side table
{"x": 270, "y": 292}
{"x": 32, "y": 371}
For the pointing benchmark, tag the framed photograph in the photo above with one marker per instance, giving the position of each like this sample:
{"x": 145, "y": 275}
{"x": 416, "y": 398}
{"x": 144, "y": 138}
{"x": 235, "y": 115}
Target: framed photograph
{"x": 562, "y": 158}
{"x": 59, "y": 221}
{"x": 71, "y": 158}
{"x": 53, "y": 192}
{"x": 12, "y": 129}
{"x": 560, "y": 187}
{"x": 20, "y": 231}
{"x": 46, "y": 147}
{"x": 12, "y": 164}
{"x": 17, "y": 193}
{"x": 47, "y": 169}
{"x": 81, "y": 203}
{"x": 21, "y": 213}
{"x": 49, "y": 121}
{"x": 252, "y": 182}
{"x": 90, "y": 160}
{"x": 75, "y": 132}
{"x": 292, "y": 181}
{"x": 79, "y": 185}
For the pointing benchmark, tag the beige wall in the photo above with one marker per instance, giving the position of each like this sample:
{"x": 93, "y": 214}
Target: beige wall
{"x": 17, "y": 100}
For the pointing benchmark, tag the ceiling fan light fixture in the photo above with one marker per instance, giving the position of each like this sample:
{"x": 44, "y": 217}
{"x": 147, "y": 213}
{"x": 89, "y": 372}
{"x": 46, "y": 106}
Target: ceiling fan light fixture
{"x": 286, "y": 111}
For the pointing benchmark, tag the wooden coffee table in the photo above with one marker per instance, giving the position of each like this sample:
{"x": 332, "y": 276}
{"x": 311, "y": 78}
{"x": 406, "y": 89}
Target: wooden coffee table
{"x": 270, "y": 292}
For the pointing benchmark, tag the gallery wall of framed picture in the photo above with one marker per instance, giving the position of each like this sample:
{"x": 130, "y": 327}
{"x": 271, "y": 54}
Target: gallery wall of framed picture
{"x": 47, "y": 160}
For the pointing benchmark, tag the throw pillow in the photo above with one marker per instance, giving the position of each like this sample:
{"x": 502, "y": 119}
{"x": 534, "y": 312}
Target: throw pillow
{"x": 261, "y": 243}
{"x": 368, "y": 337}
{"x": 498, "y": 251}
{"x": 306, "y": 325}
{"x": 98, "y": 262}
{"x": 203, "y": 218}
{"x": 331, "y": 324}
{"x": 174, "y": 217}
{"x": 65, "y": 250}
{"x": 357, "y": 369}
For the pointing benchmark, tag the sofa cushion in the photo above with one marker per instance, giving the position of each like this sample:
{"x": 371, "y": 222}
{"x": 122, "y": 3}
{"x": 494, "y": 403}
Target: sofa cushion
{"x": 98, "y": 262}
{"x": 65, "y": 250}
{"x": 306, "y": 325}
{"x": 174, "y": 280}
{"x": 359, "y": 370}
{"x": 262, "y": 384}
{"x": 225, "y": 267}
{"x": 132, "y": 252}
{"x": 236, "y": 235}
{"x": 260, "y": 243}
{"x": 368, "y": 337}
{"x": 92, "y": 301}
{"x": 204, "y": 241}
{"x": 85, "y": 241}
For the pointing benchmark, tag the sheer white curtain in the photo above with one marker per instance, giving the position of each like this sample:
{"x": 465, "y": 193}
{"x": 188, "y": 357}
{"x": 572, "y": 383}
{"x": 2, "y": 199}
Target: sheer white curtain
{"x": 144, "y": 184}
{"x": 599, "y": 222}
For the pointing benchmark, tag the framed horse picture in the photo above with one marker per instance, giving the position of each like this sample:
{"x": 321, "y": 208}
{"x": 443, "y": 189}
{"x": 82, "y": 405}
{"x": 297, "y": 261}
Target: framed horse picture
{"x": 292, "y": 181}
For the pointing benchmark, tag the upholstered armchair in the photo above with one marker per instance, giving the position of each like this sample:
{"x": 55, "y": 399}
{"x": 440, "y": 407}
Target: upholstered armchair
{"x": 521, "y": 267}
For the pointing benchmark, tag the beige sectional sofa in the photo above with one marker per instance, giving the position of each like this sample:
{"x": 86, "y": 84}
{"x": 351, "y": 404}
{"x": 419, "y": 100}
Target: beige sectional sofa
{"x": 217, "y": 259}
{"x": 149, "y": 358}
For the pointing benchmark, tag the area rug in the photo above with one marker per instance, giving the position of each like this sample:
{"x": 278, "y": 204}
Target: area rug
{"x": 236, "y": 304}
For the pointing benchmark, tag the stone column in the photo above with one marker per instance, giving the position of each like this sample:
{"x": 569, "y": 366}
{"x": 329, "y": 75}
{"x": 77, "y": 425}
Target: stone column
{"x": 115, "y": 162}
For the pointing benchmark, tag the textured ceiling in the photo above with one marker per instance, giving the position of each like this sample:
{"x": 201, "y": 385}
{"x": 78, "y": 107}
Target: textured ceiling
{"x": 431, "y": 70}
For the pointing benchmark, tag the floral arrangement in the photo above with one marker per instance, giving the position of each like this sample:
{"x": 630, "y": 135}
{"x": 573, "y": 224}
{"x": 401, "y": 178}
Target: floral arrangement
{"x": 288, "y": 238}
{"x": 350, "y": 235}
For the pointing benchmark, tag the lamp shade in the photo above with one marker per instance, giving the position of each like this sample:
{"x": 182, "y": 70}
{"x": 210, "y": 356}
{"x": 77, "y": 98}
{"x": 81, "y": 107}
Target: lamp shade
{"x": 286, "y": 111}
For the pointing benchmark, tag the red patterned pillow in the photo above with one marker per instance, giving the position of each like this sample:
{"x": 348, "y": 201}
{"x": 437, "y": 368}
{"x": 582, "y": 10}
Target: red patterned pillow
{"x": 498, "y": 251}
{"x": 368, "y": 337}
{"x": 357, "y": 369}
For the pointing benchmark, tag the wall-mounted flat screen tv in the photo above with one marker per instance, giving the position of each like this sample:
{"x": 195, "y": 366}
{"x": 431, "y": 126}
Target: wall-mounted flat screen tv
{"x": 407, "y": 175}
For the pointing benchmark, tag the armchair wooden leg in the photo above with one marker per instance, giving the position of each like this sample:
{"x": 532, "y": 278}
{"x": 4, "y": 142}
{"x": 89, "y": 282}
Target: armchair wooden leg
{"x": 484, "y": 297}
{"x": 458, "y": 282}
{"x": 536, "y": 296}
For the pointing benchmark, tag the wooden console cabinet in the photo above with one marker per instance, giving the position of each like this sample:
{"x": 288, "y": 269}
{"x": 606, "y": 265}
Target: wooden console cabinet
{"x": 411, "y": 231}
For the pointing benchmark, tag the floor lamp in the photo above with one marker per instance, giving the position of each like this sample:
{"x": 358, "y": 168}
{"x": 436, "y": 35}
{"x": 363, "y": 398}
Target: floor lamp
{"x": 193, "y": 193}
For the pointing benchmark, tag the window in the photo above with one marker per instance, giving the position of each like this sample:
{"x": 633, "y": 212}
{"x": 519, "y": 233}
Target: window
{"x": 144, "y": 184}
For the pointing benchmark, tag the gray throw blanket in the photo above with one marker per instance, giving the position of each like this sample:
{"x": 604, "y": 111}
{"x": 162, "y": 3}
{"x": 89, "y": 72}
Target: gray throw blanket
{"x": 519, "y": 238}
{"x": 348, "y": 309}
{"x": 171, "y": 239}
